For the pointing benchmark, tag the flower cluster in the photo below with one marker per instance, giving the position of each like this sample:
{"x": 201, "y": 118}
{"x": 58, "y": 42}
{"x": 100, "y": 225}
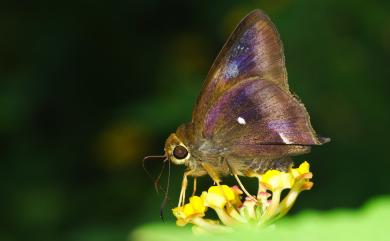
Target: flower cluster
{"x": 235, "y": 211}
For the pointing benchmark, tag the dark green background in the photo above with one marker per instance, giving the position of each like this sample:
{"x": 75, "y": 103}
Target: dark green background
{"x": 87, "y": 88}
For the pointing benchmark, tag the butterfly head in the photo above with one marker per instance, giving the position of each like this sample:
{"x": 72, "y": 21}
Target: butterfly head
{"x": 176, "y": 150}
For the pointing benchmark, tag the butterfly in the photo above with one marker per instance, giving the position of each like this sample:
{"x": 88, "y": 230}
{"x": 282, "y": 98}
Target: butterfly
{"x": 246, "y": 120}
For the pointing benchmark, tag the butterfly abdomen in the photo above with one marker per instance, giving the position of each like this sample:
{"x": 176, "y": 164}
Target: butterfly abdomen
{"x": 260, "y": 166}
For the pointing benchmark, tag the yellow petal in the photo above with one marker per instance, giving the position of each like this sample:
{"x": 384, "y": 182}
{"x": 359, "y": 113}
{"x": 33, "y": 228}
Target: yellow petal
{"x": 223, "y": 191}
{"x": 275, "y": 179}
{"x": 215, "y": 200}
{"x": 183, "y": 212}
{"x": 178, "y": 212}
{"x": 197, "y": 204}
{"x": 229, "y": 193}
{"x": 175, "y": 211}
{"x": 304, "y": 168}
{"x": 188, "y": 210}
{"x": 294, "y": 172}
{"x": 270, "y": 174}
{"x": 203, "y": 195}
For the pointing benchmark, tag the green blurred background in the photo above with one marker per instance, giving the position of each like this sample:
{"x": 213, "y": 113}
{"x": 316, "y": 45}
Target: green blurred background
{"x": 87, "y": 88}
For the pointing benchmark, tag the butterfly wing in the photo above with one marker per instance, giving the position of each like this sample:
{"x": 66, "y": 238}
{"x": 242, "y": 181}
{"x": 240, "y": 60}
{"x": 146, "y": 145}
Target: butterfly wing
{"x": 258, "y": 118}
{"x": 245, "y": 106}
{"x": 253, "y": 49}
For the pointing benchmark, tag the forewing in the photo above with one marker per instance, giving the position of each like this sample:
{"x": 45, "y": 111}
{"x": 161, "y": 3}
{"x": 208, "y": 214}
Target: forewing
{"x": 257, "y": 117}
{"x": 253, "y": 49}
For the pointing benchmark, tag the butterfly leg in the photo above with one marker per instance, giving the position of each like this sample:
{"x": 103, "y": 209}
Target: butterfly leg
{"x": 210, "y": 170}
{"x": 214, "y": 175}
{"x": 184, "y": 184}
{"x": 242, "y": 186}
{"x": 234, "y": 173}
{"x": 194, "y": 190}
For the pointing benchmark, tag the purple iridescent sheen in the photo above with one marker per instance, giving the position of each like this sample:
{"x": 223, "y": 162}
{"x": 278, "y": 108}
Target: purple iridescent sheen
{"x": 270, "y": 114}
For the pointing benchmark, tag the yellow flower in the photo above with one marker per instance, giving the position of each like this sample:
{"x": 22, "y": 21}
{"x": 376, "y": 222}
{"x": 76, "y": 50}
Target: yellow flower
{"x": 218, "y": 196}
{"x": 302, "y": 169}
{"x": 257, "y": 211}
{"x": 194, "y": 208}
{"x": 277, "y": 180}
{"x": 197, "y": 204}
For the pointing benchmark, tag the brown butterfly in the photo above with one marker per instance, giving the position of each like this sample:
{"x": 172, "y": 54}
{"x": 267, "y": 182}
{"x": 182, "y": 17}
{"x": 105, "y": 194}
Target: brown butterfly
{"x": 245, "y": 121}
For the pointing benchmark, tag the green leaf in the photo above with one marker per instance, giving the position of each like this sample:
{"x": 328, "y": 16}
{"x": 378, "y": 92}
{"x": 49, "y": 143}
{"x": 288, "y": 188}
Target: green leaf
{"x": 367, "y": 223}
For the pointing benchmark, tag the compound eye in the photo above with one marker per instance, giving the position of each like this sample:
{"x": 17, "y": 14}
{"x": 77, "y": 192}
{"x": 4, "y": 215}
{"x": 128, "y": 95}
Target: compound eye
{"x": 180, "y": 152}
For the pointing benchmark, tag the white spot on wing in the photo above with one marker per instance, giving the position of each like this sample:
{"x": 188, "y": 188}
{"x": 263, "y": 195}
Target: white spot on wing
{"x": 241, "y": 121}
{"x": 284, "y": 138}
{"x": 231, "y": 71}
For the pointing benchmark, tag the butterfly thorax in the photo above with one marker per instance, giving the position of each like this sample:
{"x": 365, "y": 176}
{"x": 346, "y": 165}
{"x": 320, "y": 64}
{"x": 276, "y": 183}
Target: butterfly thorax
{"x": 199, "y": 152}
